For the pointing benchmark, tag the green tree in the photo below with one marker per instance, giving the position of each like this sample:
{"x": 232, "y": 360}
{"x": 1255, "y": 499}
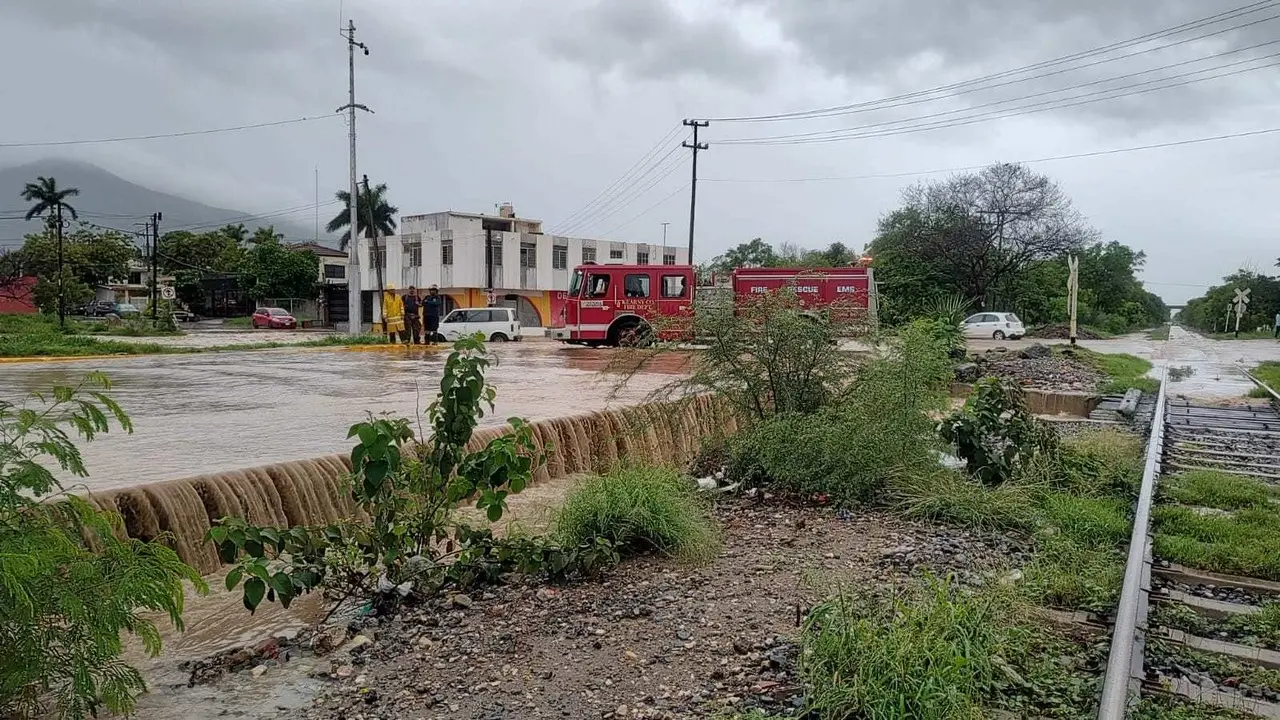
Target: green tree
{"x": 383, "y": 214}
{"x": 237, "y": 233}
{"x": 69, "y": 584}
{"x": 49, "y": 200}
{"x": 755, "y": 253}
{"x": 970, "y": 233}
{"x": 1208, "y": 313}
{"x": 194, "y": 256}
{"x": 90, "y": 258}
{"x": 266, "y": 234}
{"x": 274, "y": 270}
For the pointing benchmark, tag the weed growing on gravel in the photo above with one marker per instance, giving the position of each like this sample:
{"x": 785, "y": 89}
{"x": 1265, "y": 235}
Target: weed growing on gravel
{"x": 1126, "y": 371}
{"x": 946, "y": 496}
{"x": 936, "y": 652}
{"x": 1207, "y": 488}
{"x": 638, "y": 510}
{"x": 1258, "y": 393}
{"x": 1261, "y": 628}
{"x": 1269, "y": 373}
{"x": 1068, "y": 574}
{"x": 1168, "y": 708}
{"x": 1253, "y": 680}
{"x": 1092, "y": 522}
{"x": 1247, "y": 543}
{"x": 1099, "y": 462}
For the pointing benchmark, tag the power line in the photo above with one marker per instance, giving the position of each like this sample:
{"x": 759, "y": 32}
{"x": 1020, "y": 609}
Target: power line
{"x": 1034, "y": 108}
{"x": 157, "y": 136}
{"x": 1191, "y": 25}
{"x": 635, "y": 196}
{"x": 575, "y": 215}
{"x": 938, "y": 171}
{"x": 609, "y": 205}
{"x": 822, "y": 133}
{"x": 644, "y": 212}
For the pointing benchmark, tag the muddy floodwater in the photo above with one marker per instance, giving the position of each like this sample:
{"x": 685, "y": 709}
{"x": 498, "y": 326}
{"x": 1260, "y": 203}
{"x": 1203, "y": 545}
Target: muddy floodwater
{"x": 206, "y": 413}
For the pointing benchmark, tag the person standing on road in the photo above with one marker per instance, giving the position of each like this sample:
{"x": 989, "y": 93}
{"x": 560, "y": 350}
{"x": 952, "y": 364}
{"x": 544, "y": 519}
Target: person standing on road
{"x": 413, "y": 316}
{"x": 1276, "y": 329}
{"x": 392, "y": 314}
{"x": 432, "y": 307}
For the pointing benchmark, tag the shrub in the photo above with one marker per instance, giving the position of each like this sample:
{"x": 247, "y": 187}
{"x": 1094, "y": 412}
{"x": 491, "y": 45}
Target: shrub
{"x": 69, "y": 584}
{"x": 407, "y": 489}
{"x": 848, "y": 450}
{"x": 995, "y": 434}
{"x": 638, "y": 510}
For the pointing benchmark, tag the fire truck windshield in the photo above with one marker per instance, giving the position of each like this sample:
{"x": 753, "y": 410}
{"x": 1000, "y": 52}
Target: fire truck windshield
{"x": 575, "y": 285}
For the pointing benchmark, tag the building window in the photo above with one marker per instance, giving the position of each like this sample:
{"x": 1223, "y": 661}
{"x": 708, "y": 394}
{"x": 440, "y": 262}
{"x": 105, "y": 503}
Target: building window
{"x": 642, "y": 258}
{"x": 415, "y": 255}
{"x": 335, "y": 272}
{"x": 560, "y": 257}
{"x": 668, "y": 258}
{"x": 446, "y": 252}
{"x": 135, "y": 278}
{"x": 615, "y": 254}
{"x": 673, "y": 286}
{"x": 636, "y": 286}
{"x": 494, "y": 252}
{"x": 588, "y": 255}
{"x": 528, "y": 255}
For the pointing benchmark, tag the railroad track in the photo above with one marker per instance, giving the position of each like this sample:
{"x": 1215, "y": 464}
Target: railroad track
{"x": 1164, "y": 604}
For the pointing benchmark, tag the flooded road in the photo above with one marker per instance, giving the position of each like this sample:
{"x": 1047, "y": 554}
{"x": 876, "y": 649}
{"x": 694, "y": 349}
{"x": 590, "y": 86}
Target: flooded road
{"x": 205, "y": 413}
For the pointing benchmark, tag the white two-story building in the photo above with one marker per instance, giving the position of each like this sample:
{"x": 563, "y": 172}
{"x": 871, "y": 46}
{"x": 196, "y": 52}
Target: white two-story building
{"x": 479, "y": 260}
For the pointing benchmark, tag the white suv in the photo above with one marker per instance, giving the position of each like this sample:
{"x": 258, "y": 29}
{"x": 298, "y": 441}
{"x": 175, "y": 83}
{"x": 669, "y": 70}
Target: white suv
{"x": 497, "y": 324}
{"x": 994, "y": 325}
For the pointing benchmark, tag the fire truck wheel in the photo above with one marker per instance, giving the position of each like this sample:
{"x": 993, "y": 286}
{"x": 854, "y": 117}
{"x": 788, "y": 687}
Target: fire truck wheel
{"x": 498, "y": 337}
{"x": 635, "y": 334}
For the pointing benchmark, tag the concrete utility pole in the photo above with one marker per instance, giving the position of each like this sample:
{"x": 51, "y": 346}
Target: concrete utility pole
{"x": 695, "y": 146}
{"x": 354, "y": 314}
{"x": 155, "y": 249}
{"x": 1073, "y": 292}
{"x": 664, "y": 238}
{"x": 62, "y": 297}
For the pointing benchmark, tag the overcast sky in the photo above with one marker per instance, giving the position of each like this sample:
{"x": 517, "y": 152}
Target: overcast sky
{"x": 544, "y": 104}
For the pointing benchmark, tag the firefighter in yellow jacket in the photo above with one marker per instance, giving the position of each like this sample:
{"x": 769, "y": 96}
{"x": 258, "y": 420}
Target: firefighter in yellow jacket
{"x": 392, "y": 314}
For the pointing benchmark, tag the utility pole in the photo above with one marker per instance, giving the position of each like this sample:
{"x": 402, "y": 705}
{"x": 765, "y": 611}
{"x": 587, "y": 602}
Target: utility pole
{"x": 62, "y": 297}
{"x": 695, "y": 146}
{"x": 1073, "y": 292}
{"x": 155, "y": 248}
{"x": 664, "y": 239}
{"x": 354, "y": 315}
{"x": 378, "y": 253}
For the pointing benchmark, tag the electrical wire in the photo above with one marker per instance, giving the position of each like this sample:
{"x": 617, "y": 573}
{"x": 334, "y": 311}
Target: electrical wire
{"x": 576, "y": 215}
{"x": 1058, "y": 104}
{"x": 966, "y": 168}
{"x": 821, "y": 133}
{"x": 646, "y": 211}
{"x": 623, "y": 195}
{"x": 1191, "y": 25}
{"x": 671, "y": 168}
{"x": 157, "y": 136}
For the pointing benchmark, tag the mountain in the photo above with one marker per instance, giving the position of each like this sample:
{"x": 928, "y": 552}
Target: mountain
{"x": 110, "y": 200}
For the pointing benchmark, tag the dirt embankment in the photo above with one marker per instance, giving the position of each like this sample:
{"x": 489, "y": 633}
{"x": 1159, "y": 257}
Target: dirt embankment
{"x": 654, "y": 639}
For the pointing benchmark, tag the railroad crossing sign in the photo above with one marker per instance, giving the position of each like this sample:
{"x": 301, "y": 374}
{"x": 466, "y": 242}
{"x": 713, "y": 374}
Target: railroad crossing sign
{"x": 1241, "y": 301}
{"x": 168, "y": 293}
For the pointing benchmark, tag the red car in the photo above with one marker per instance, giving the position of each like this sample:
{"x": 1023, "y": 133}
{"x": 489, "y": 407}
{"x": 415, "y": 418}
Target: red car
{"x": 274, "y": 318}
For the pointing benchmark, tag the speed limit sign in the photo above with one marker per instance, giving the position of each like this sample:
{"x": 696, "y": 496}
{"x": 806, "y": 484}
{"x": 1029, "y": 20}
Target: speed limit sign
{"x": 168, "y": 292}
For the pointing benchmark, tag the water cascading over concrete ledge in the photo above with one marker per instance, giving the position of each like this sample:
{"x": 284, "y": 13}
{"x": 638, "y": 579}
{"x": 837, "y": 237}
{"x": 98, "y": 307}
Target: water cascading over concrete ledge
{"x": 310, "y": 492}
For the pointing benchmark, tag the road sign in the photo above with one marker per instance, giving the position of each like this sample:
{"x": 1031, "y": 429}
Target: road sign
{"x": 168, "y": 293}
{"x": 1242, "y": 296}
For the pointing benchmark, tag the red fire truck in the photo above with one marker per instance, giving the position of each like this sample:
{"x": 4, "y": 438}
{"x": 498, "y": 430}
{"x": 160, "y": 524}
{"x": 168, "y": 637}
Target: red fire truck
{"x": 621, "y": 304}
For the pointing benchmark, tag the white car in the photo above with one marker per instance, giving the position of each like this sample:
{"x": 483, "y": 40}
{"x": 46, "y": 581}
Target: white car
{"x": 995, "y": 325}
{"x": 497, "y": 324}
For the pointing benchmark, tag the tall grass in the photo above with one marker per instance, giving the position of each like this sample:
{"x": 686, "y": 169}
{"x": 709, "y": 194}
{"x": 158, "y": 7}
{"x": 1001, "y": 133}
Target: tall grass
{"x": 946, "y": 496}
{"x": 1247, "y": 543}
{"x": 1125, "y": 371}
{"x": 936, "y": 652}
{"x": 1269, "y": 373}
{"x": 1208, "y": 488}
{"x": 639, "y": 510}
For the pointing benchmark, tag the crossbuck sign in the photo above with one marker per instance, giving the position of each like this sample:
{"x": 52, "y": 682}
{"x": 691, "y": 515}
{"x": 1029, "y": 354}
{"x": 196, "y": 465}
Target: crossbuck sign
{"x": 1241, "y": 301}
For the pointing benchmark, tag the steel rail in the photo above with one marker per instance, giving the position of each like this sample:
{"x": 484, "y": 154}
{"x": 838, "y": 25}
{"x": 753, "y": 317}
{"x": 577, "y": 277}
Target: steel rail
{"x": 1274, "y": 395}
{"x": 1122, "y": 683}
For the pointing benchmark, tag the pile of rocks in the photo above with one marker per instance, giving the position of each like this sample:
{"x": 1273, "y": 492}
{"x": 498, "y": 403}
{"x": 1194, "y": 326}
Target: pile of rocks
{"x": 1035, "y": 366}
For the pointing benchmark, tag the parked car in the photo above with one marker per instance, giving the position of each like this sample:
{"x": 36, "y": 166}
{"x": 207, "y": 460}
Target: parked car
{"x": 498, "y": 324}
{"x": 126, "y": 310}
{"x": 273, "y": 318}
{"x": 997, "y": 325}
{"x": 182, "y": 316}
{"x": 98, "y": 308}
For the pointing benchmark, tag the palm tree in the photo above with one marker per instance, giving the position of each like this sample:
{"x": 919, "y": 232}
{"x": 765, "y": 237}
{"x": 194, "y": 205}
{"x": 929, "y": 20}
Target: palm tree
{"x": 236, "y": 233}
{"x": 48, "y": 200}
{"x": 384, "y": 214}
{"x": 266, "y": 234}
